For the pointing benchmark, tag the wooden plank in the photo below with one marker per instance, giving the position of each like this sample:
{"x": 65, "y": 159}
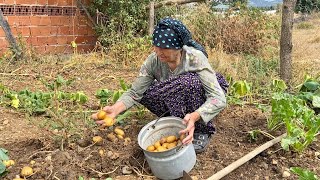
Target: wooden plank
{"x": 172, "y": 2}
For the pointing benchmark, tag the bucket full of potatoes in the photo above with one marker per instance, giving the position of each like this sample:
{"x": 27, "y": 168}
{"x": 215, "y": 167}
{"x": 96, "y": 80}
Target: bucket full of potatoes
{"x": 162, "y": 146}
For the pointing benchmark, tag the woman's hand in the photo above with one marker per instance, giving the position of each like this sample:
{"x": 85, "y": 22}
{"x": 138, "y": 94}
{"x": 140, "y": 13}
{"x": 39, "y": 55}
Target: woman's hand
{"x": 112, "y": 111}
{"x": 189, "y": 120}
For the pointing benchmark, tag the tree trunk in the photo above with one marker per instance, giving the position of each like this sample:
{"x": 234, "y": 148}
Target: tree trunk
{"x": 10, "y": 38}
{"x": 151, "y": 17}
{"x": 171, "y": 2}
{"x": 286, "y": 40}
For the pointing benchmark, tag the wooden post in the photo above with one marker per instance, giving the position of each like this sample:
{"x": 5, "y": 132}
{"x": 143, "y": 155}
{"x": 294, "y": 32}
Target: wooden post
{"x": 286, "y": 40}
{"x": 151, "y": 17}
{"x": 10, "y": 38}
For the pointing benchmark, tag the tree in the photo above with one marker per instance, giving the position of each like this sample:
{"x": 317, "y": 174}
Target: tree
{"x": 286, "y": 40}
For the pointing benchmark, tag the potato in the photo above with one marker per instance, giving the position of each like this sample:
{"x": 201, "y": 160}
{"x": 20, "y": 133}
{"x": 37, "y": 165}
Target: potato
{"x": 119, "y": 136}
{"x": 26, "y": 171}
{"x": 8, "y": 163}
{"x": 165, "y": 145}
{"x": 111, "y": 137}
{"x": 175, "y": 143}
{"x": 182, "y": 136}
{"x": 171, "y": 145}
{"x": 101, "y": 115}
{"x": 151, "y": 148}
{"x": 108, "y": 121}
{"x": 18, "y": 178}
{"x": 119, "y": 132}
{"x": 161, "y": 148}
{"x": 163, "y": 140}
{"x": 157, "y": 144}
{"x": 97, "y": 140}
{"x": 127, "y": 139}
{"x": 171, "y": 139}
{"x": 101, "y": 152}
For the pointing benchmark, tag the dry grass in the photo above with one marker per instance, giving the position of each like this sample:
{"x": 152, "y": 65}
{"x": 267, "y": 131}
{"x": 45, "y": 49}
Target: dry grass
{"x": 306, "y": 56}
{"x": 306, "y": 50}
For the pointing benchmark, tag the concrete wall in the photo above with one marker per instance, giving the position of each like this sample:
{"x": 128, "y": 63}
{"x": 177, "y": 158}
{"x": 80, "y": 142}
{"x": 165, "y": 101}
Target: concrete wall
{"x": 48, "y": 26}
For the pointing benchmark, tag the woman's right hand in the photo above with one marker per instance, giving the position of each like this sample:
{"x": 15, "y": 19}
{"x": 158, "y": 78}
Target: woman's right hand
{"x": 112, "y": 111}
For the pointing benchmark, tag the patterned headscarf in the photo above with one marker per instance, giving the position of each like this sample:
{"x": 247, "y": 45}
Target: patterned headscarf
{"x": 172, "y": 34}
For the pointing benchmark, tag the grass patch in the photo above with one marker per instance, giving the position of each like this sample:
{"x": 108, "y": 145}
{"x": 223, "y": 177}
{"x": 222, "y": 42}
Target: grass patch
{"x": 305, "y": 25}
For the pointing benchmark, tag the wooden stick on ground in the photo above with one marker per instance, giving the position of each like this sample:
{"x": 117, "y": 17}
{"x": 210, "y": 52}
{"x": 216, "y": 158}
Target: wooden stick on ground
{"x": 10, "y": 38}
{"x": 171, "y": 2}
{"x": 245, "y": 158}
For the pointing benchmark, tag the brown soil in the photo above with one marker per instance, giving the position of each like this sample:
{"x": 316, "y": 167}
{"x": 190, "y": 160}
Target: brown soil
{"x": 58, "y": 159}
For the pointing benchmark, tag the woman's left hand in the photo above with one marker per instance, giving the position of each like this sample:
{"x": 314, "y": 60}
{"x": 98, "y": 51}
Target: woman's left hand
{"x": 189, "y": 120}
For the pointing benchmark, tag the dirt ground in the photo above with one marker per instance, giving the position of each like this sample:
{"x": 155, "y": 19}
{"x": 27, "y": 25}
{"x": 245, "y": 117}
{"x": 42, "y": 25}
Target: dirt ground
{"x": 26, "y": 141}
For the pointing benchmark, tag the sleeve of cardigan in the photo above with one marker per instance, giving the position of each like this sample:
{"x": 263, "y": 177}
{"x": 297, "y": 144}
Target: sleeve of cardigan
{"x": 141, "y": 83}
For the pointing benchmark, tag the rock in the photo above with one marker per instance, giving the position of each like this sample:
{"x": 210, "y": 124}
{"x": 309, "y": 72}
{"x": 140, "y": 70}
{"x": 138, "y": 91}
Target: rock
{"x": 285, "y": 174}
{"x": 317, "y": 154}
{"x": 194, "y": 178}
{"x": 264, "y": 154}
{"x": 1, "y": 128}
{"x": 274, "y": 162}
{"x": 115, "y": 156}
{"x": 48, "y": 158}
{"x": 283, "y": 158}
{"x": 5, "y": 122}
{"x": 266, "y": 178}
{"x": 126, "y": 170}
{"x": 109, "y": 154}
{"x": 83, "y": 142}
{"x": 265, "y": 165}
{"x": 67, "y": 155}
{"x": 56, "y": 131}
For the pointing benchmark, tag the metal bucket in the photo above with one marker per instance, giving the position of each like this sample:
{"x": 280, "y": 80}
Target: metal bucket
{"x": 168, "y": 164}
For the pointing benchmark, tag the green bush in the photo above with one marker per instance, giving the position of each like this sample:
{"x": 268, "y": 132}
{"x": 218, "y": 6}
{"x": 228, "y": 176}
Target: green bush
{"x": 119, "y": 19}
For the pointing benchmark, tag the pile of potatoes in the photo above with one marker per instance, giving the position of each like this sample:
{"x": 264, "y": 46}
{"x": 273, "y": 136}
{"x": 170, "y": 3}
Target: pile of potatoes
{"x": 166, "y": 143}
{"x": 113, "y": 136}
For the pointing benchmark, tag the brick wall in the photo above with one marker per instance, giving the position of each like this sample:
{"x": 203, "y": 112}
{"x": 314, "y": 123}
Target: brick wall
{"x": 48, "y": 26}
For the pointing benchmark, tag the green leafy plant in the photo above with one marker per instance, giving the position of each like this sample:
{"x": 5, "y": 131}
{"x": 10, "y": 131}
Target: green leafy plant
{"x": 117, "y": 94}
{"x": 304, "y": 174}
{"x": 278, "y": 85}
{"x": 38, "y": 102}
{"x": 240, "y": 92}
{"x": 309, "y": 91}
{"x": 240, "y": 88}
{"x": 3, "y": 157}
{"x": 104, "y": 96}
{"x": 301, "y": 123}
{"x": 253, "y": 135}
{"x": 119, "y": 20}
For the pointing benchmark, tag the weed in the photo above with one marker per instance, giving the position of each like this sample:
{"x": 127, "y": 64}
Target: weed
{"x": 305, "y": 25}
{"x": 304, "y": 174}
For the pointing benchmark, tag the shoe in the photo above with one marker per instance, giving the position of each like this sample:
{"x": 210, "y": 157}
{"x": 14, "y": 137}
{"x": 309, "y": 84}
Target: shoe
{"x": 201, "y": 141}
